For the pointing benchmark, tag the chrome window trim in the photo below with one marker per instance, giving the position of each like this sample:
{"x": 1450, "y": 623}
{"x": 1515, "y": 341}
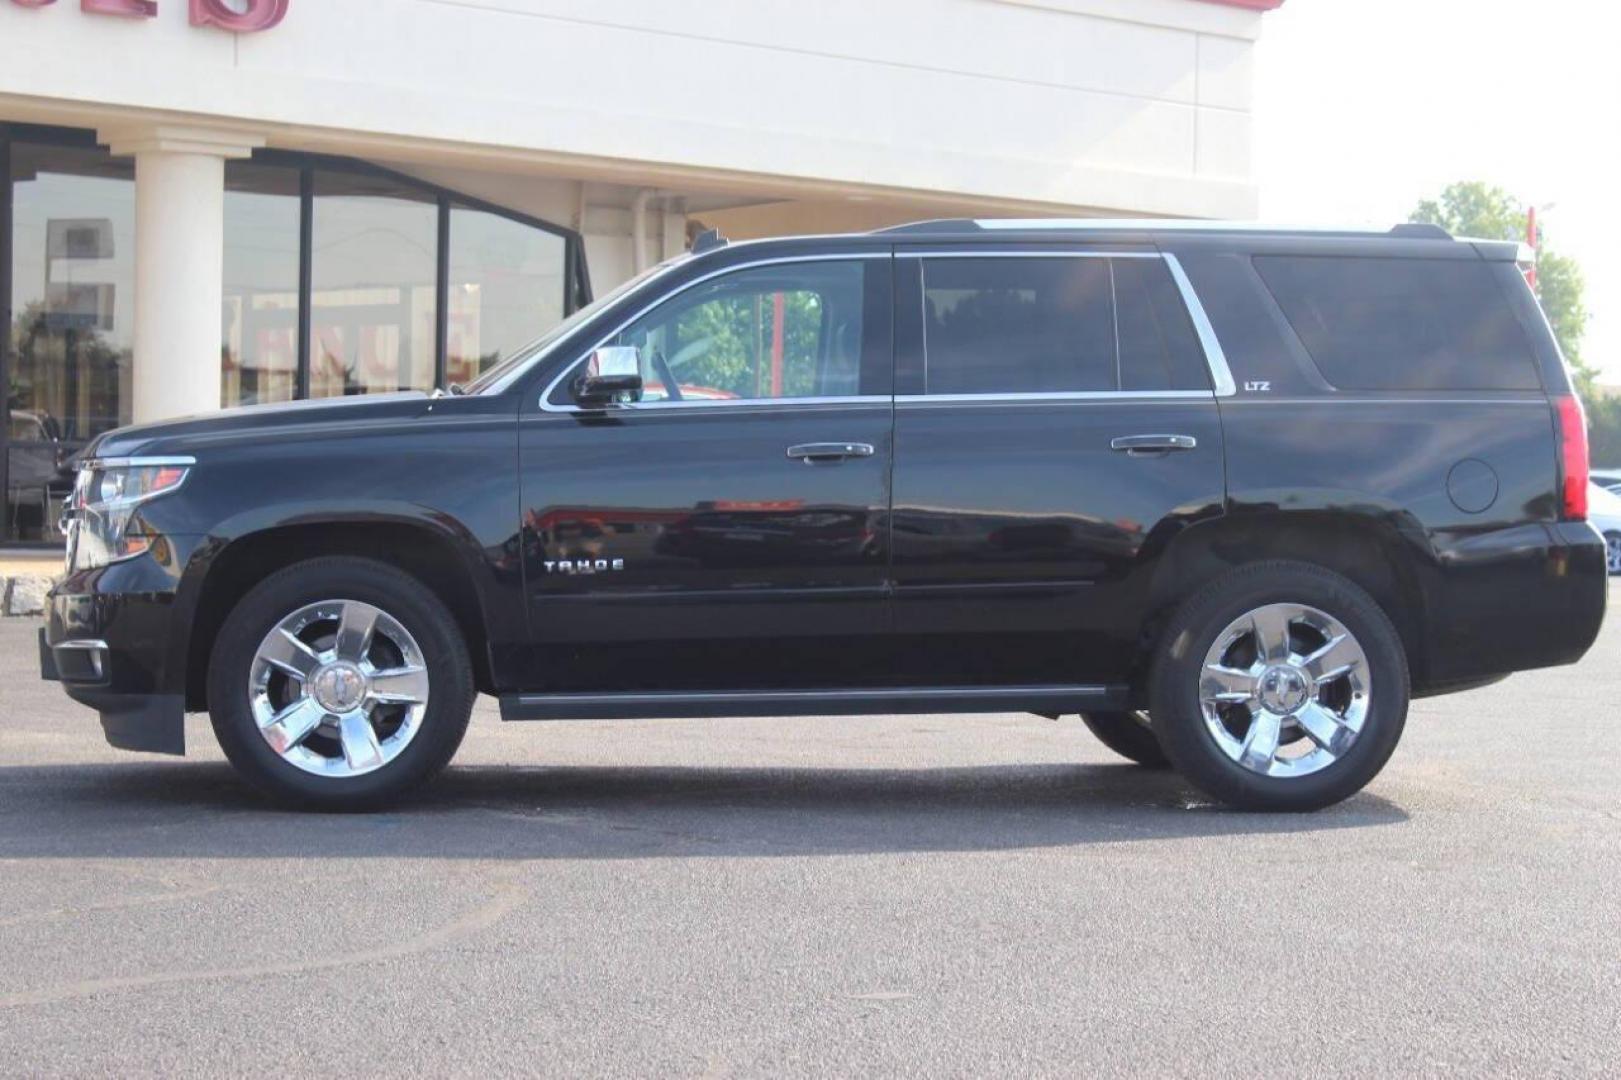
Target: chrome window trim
{"x": 1215, "y": 357}
{"x": 1038, "y": 397}
{"x": 730, "y": 403}
{"x": 639, "y": 406}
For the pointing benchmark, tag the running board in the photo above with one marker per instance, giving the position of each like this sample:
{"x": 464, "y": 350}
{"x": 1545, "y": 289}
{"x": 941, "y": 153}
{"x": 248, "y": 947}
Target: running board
{"x": 674, "y": 704}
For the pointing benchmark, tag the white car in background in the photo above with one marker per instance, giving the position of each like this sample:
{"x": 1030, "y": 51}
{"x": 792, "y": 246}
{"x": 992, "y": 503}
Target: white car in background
{"x": 1604, "y": 511}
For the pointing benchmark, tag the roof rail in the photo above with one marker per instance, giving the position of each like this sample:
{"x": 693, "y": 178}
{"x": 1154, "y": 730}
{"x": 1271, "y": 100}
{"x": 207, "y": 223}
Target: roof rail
{"x": 1405, "y": 230}
{"x": 708, "y": 240}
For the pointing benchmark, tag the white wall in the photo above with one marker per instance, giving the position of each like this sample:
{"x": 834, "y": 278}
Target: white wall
{"x": 1137, "y": 106}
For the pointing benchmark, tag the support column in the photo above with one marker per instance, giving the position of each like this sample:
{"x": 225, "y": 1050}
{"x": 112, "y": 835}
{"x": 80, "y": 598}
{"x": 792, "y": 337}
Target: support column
{"x": 179, "y": 262}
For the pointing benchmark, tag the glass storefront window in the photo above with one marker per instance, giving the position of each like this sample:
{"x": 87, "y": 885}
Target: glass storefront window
{"x": 506, "y": 289}
{"x": 368, "y": 287}
{"x": 375, "y": 269}
{"x": 259, "y": 324}
{"x": 71, "y": 335}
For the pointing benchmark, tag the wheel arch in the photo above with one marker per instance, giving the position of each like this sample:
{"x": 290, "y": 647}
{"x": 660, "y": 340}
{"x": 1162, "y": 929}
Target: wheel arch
{"x": 1382, "y": 553}
{"x": 228, "y": 569}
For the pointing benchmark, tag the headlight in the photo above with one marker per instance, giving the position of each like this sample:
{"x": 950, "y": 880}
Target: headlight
{"x": 105, "y": 495}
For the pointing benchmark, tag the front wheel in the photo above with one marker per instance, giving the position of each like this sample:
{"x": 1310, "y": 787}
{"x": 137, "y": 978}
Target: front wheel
{"x": 1283, "y": 686}
{"x": 1612, "y": 551}
{"x": 339, "y": 684}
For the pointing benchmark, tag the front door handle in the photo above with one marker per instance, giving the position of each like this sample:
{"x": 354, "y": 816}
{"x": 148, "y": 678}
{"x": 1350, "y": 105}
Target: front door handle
{"x": 1153, "y": 444}
{"x": 817, "y": 452}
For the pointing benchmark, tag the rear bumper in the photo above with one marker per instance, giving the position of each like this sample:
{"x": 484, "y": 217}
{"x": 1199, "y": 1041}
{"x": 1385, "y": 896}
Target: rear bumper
{"x": 1512, "y": 600}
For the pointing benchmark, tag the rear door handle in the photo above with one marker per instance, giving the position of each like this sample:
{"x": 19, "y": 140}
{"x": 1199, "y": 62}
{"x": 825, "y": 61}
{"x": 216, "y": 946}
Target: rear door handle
{"x": 815, "y": 452}
{"x": 1153, "y": 444}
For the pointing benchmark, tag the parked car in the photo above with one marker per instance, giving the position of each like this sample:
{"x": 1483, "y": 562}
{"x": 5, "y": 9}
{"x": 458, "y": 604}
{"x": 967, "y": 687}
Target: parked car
{"x": 1609, "y": 479}
{"x": 38, "y": 475}
{"x": 1604, "y": 511}
{"x": 1232, "y": 495}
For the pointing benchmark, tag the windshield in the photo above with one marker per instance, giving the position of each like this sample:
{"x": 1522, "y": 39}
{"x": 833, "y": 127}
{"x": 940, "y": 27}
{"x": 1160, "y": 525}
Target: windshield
{"x": 502, "y": 375}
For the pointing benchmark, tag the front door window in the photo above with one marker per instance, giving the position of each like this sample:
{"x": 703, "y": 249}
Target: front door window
{"x": 787, "y": 331}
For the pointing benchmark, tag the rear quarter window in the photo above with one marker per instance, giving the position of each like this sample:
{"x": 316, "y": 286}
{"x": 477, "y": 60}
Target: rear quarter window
{"x": 1402, "y": 324}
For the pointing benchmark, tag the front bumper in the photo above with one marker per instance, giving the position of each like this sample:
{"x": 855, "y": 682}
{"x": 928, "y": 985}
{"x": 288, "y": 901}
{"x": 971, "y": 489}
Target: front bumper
{"x": 151, "y": 723}
{"x": 110, "y": 640}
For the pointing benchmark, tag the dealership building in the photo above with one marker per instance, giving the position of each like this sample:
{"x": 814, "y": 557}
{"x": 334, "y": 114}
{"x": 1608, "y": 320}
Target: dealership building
{"x": 208, "y": 203}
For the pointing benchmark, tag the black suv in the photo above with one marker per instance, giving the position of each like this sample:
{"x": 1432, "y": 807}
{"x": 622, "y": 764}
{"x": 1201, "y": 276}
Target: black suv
{"x": 1232, "y": 495}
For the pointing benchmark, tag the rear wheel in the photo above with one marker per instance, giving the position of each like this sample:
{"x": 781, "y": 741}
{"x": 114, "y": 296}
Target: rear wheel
{"x": 1128, "y": 734}
{"x": 339, "y": 684}
{"x": 1283, "y": 686}
{"x": 1612, "y": 551}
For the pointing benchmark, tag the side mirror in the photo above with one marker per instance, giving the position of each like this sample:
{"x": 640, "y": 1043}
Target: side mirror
{"x": 612, "y": 375}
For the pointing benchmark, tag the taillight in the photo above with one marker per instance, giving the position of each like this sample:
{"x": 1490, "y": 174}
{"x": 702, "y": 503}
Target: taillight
{"x": 1573, "y": 455}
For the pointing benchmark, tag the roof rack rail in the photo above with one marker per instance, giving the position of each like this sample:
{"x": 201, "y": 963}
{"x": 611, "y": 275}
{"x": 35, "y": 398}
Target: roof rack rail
{"x": 1420, "y": 230}
{"x": 708, "y": 240}
{"x": 1404, "y": 231}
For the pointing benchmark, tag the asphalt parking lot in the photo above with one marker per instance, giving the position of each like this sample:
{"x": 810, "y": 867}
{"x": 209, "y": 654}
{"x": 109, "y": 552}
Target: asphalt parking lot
{"x": 941, "y": 895}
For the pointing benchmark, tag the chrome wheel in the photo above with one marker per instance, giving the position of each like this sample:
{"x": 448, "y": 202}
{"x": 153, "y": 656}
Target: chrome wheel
{"x": 1612, "y": 550}
{"x": 1284, "y": 690}
{"x": 338, "y": 688}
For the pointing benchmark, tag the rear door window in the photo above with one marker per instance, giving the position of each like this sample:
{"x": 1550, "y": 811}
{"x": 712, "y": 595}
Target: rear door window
{"x": 1159, "y": 349}
{"x": 1402, "y": 324}
{"x": 1039, "y": 325}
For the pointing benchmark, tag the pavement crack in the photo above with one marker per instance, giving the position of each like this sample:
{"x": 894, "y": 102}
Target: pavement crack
{"x": 506, "y": 899}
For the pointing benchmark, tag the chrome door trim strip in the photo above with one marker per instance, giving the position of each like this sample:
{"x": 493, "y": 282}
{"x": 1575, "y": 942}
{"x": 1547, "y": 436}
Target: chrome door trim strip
{"x": 1214, "y": 356}
{"x": 822, "y": 695}
{"x": 547, "y": 406}
{"x": 1057, "y": 395}
{"x": 1331, "y": 398}
{"x": 729, "y": 403}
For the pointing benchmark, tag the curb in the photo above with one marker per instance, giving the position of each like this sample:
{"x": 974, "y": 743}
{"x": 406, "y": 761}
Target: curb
{"x": 24, "y": 594}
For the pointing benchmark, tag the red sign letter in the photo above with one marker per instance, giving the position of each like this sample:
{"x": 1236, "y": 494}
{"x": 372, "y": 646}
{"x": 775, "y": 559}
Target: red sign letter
{"x": 33, "y": 3}
{"x": 260, "y": 15}
{"x": 141, "y": 9}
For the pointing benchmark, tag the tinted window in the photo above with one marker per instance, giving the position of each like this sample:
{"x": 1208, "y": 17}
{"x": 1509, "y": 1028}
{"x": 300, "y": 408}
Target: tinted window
{"x": 1054, "y": 325}
{"x": 1012, "y": 325}
{"x": 1402, "y": 324}
{"x": 1159, "y": 349}
{"x": 794, "y": 330}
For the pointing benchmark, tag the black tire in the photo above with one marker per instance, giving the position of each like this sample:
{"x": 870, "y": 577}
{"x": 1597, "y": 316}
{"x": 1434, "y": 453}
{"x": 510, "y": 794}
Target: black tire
{"x": 1179, "y": 720}
{"x": 406, "y": 600}
{"x": 1128, "y": 737}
